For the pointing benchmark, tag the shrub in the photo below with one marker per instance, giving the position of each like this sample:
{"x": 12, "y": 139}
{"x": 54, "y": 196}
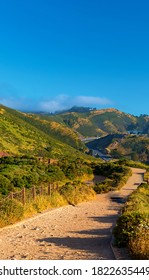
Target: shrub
{"x": 132, "y": 227}
{"x": 139, "y": 246}
{"x": 55, "y": 173}
{"x": 125, "y": 228}
{"x": 11, "y": 211}
{"x": 103, "y": 187}
{"x": 117, "y": 175}
{"x": 57, "y": 199}
{"x": 41, "y": 203}
{"x": 77, "y": 192}
{"x": 4, "y": 185}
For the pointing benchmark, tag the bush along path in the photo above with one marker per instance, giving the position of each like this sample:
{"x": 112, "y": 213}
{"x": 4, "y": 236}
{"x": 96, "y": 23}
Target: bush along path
{"x": 132, "y": 227}
{"x": 80, "y": 232}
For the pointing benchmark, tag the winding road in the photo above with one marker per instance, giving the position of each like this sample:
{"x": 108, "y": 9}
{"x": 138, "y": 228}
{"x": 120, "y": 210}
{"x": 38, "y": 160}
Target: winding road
{"x": 70, "y": 233}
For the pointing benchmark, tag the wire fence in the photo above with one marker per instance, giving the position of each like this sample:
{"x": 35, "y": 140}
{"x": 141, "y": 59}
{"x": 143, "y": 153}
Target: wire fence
{"x": 27, "y": 195}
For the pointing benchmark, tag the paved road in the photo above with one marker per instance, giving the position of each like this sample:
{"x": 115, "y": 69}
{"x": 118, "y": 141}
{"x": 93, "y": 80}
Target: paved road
{"x": 81, "y": 232}
{"x": 101, "y": 155}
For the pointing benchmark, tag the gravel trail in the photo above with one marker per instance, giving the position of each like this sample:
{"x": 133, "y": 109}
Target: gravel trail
{"x": 69, "y": 233}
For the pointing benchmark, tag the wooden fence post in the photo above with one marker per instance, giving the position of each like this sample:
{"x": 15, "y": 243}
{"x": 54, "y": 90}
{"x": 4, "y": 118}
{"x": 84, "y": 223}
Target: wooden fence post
{"x": 41, "y": 190}
{"x": 23, "y": 196}
{"x": 11, "y": 195}
{"x": 34, "y": 192}
{"x": 53, "y": 187}
{"x": 49, "y": 189}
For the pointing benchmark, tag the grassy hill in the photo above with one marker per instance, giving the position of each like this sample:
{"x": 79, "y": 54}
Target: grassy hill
{"x": 134, "y": 147}
{"x": 28, "y": 136}
{"x": 102, "y": 122}
{"x": 103, "y": 143}
{"x": 58, "y": 135}
{"x": 21, "y": 133}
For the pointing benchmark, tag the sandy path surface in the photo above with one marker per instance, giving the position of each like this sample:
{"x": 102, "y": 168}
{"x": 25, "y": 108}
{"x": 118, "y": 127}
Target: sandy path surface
{"x": 70, "y": 233}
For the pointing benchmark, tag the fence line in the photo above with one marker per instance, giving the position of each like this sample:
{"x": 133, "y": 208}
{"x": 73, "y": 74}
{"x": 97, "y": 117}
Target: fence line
{"x": 27, "y": 195}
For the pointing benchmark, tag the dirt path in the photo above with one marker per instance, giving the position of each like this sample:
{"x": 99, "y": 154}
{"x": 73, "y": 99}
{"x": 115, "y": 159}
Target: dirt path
{"x": 80, "y": 232}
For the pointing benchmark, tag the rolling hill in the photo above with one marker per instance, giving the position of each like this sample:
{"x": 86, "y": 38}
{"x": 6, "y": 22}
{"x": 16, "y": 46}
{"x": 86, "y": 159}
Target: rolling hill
{"x": 22, "y": 133}
{"x": 134, "y": 147}
{"x": 58, "y": 135}
{"x": 102, "y": 122}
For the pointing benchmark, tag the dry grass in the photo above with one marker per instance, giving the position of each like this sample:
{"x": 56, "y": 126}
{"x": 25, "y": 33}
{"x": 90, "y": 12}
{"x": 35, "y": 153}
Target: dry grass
{"x": 140, "y": 245}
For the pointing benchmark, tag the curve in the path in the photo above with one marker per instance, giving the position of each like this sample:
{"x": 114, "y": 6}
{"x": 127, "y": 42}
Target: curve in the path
{"x": 80, "y": 232}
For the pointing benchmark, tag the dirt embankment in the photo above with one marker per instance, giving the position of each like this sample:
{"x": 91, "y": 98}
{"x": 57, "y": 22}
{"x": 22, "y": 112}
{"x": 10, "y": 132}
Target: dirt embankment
{"x": 73, "y": 233}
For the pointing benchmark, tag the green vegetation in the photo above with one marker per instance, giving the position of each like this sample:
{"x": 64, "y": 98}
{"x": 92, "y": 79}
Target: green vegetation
{"x": 17, "y": 173}
{"x": 12, "y": 211}
{"x": 102, "y": 122}
{"x": 25, "y": 171}
{"x": 103, "y": 143}
{"x": 132, "y": 147}
{"x": 116, "y": 176}
{"x": 59, "y": 134}
{"x": 28, "y": 134}
{"x": 27, "y": 144}
{"x": 135, "y": 164}
{"x": 58, "y": 130}
{"x": 74, "y": 169}
{"x": 30, "y": 141}
{"x": 132, "y": 227}
{"x": 77, "y": 192}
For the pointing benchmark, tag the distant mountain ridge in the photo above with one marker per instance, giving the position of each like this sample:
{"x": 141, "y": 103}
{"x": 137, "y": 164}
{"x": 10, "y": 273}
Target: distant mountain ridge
{"x": 93, "y": 122}
{"x": 58, "y": 134}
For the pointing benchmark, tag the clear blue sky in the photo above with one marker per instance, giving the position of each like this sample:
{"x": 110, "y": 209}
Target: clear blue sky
{"x": 60, "y": 53}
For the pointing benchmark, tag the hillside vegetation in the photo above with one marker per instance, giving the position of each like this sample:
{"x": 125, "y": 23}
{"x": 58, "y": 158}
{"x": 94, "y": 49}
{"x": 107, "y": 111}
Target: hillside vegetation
{"x": 57, "y": 134}
{"x": 102, "y": 122}
{"x": 132, "y": 227}
{"x": 28, "y": 143}
{"x": 116, "y": 175}
{"x": 25, "y": 182}
{"x": 26, "y": 134}
{"x": 133, "y": 147}
{"x": 29, "y": 185}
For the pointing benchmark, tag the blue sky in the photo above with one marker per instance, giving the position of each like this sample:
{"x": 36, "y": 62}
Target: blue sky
{"x": 60, "y": 53}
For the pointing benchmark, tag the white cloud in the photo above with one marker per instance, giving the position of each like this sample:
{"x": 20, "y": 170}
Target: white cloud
{"x": 91, "y": 100}
{"x": 62, "y": 102}
{"x": 57, "y": 103}
{"x": 51, "y": 106}
{"x": 10, "y": 97}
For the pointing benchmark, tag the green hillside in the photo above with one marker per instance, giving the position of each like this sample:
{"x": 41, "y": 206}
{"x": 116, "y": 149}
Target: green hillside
{"x": 134, "y": 147}
{"x": 102, "y": 122}
{"x": 58, "y": 135}
{"x": 54, "y": 127}
{"x": 105, "y": 142}
{"x": 27, "y": 134}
